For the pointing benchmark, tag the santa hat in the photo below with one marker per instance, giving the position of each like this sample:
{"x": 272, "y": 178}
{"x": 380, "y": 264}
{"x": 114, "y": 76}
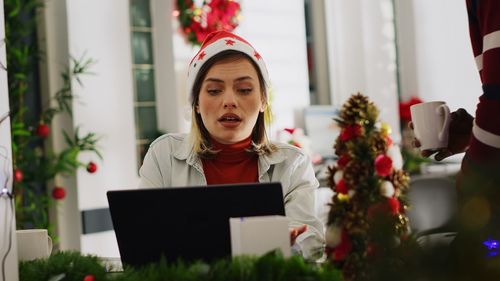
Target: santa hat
{"x": 217, "y": 42}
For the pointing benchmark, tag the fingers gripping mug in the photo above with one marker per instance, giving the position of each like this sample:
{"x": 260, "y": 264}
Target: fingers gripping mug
{"x": 33, "y": 244}
{"x": 431, "y": 121}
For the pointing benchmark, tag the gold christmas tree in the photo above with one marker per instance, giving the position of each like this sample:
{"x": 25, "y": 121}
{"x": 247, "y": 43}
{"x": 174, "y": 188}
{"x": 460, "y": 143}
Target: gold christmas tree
{"x": 367, "y": 215}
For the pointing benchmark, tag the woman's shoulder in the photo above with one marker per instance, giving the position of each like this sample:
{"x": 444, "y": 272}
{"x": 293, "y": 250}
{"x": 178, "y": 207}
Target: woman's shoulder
{"x": 169, "y": 142}
{"x": 288, "y": 150}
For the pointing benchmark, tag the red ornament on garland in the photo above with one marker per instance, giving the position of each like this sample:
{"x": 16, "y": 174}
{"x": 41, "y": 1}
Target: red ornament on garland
{"x": 383, "y": 165}
{"x": 341, "y": 187}
{"x": 91, "y": 167}
{"x": 18, "y": 175}
{"x": 89, "y": 277}
{"x": 197, "y": 22}
{"x": 343, "y": 160}
{"x": 345, "y": 247}
{"x": 58, "y": 193}
{"x": 43, "y": 130}
{"x": 350, "y": 132}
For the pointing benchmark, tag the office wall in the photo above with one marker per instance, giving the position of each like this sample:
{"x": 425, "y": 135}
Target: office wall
{"x": 436, "y": 59}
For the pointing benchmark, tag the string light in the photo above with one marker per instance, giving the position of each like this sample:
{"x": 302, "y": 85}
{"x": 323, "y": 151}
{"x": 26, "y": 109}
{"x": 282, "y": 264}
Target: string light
{"x": 493, "y": 247}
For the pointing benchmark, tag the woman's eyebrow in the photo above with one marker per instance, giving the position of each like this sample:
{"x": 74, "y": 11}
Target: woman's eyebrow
{"x": 209, "y": 79}
{"x": 243, "y": 78}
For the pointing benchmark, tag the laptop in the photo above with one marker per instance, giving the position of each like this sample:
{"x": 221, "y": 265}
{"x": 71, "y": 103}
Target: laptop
{"x": 187, "y": 223}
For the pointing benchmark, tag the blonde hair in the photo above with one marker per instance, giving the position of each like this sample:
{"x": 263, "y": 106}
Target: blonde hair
{"x": 200, "y": 137}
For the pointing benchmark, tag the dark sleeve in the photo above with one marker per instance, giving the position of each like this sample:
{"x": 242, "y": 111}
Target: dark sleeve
{"x": 484, "y": 29}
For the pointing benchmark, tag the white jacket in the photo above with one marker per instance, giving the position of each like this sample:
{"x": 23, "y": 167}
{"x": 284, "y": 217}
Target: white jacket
{"x": 170, "y": 162}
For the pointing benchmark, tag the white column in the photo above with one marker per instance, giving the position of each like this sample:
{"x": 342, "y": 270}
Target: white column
{"x": 53, "y": 41}
{"x": 7, "y": 214}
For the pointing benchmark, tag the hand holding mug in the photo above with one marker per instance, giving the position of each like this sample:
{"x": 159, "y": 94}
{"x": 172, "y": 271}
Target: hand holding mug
{"x": 459, "y": 134}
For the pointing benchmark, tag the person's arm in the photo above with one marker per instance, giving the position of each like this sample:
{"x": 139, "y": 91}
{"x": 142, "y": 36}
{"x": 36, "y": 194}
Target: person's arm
{"x": 150, "y": 172}
{"x": 300, "y": 206}
{"x": 484, "y": 28}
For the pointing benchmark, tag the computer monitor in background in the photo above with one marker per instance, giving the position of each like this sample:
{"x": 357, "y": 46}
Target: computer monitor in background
{"x": 321, "y": 129}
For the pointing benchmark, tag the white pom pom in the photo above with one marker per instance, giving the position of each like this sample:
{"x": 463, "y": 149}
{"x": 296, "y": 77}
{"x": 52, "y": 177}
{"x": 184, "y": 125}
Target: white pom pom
{"x": 333, "y": 236}
{"x": 397, "y": 158}
{"x": 387, "y": 189}
{"x": 338, "y": 176}
{"x": 351, "y": 193}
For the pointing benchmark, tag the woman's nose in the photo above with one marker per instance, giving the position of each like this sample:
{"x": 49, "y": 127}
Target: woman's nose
{"x": 229, "y": 99}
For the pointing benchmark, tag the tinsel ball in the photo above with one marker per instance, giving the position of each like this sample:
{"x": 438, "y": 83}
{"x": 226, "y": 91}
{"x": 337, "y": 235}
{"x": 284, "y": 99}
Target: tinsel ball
{"x": 387, "y": 189}
{"x": 333, "y": 235}
{"x": 385, "y": 129}
{"x": 338, "y": 176}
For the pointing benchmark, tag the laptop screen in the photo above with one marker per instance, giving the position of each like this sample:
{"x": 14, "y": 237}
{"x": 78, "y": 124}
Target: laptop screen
{"x": 188, "y": 223}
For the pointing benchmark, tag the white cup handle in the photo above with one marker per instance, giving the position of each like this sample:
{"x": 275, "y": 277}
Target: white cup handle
{"x": 444, "y": 109}
{"x": 49, "y": 250}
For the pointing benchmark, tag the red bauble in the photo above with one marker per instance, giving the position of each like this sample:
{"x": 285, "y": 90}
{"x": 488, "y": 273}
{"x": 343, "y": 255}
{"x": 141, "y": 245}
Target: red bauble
{"x": 344, "y": 248}
{"x": 58, "y": 193}
{"x": 18, "y": 175}
{"x": 350, "y": 132}
{"x": 383, "y": 165}
{"x": 89, "y": 277}
{"x": 390, "y": 206}
{"x": 42, "y": 130}
{"x": 341, "y": 187}
{"x": 91, "y": 167}
{"x": 343, "y": 160}
{"x": 394, "y": 205}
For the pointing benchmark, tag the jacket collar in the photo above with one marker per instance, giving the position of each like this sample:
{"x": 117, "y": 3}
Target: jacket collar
{"x": 185, "y": 152}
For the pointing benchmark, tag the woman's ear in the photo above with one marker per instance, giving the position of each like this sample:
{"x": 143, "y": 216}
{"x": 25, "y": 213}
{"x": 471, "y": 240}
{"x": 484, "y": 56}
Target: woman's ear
{"x": 197, "y": 109}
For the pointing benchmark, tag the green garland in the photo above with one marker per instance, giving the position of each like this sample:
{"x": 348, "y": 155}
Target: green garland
{"x": 72, "y": 266}
{"x": 35, "y": 163}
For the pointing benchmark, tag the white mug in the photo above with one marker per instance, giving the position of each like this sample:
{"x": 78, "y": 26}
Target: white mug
{"x": 33, "y": 244}
{"x": 431, "y": 121}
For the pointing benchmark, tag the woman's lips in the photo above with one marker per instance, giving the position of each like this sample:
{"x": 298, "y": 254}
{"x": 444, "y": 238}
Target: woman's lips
{"x": 230, "y": 120}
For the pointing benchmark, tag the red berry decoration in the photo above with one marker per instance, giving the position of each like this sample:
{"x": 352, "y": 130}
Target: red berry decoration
{"x": 89, "y": 277}
{"x": 58, "y": 193}
{"x": 18, "y": 175}
{"x": 42, "y": 130}
{"x": 91, "y": 167}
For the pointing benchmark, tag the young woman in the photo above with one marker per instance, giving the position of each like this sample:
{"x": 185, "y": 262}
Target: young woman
{"x": 227, "y": 81}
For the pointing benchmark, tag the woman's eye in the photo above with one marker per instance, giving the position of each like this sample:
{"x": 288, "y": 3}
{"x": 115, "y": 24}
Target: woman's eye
{"x": 245, "y": 90}
{"x": 213, "y": 92}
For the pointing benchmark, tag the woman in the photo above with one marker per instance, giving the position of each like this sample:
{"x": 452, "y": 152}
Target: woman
{"x": 228, "y": 144}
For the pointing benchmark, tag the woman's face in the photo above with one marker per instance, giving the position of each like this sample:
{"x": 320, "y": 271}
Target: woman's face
{"x": 230, "y": 100}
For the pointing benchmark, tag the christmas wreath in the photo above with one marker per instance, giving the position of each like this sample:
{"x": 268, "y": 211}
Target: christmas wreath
{"x": 197, "y": 22}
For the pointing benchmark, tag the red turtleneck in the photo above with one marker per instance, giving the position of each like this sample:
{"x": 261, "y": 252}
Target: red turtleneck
{"x": 232, "y": 164}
